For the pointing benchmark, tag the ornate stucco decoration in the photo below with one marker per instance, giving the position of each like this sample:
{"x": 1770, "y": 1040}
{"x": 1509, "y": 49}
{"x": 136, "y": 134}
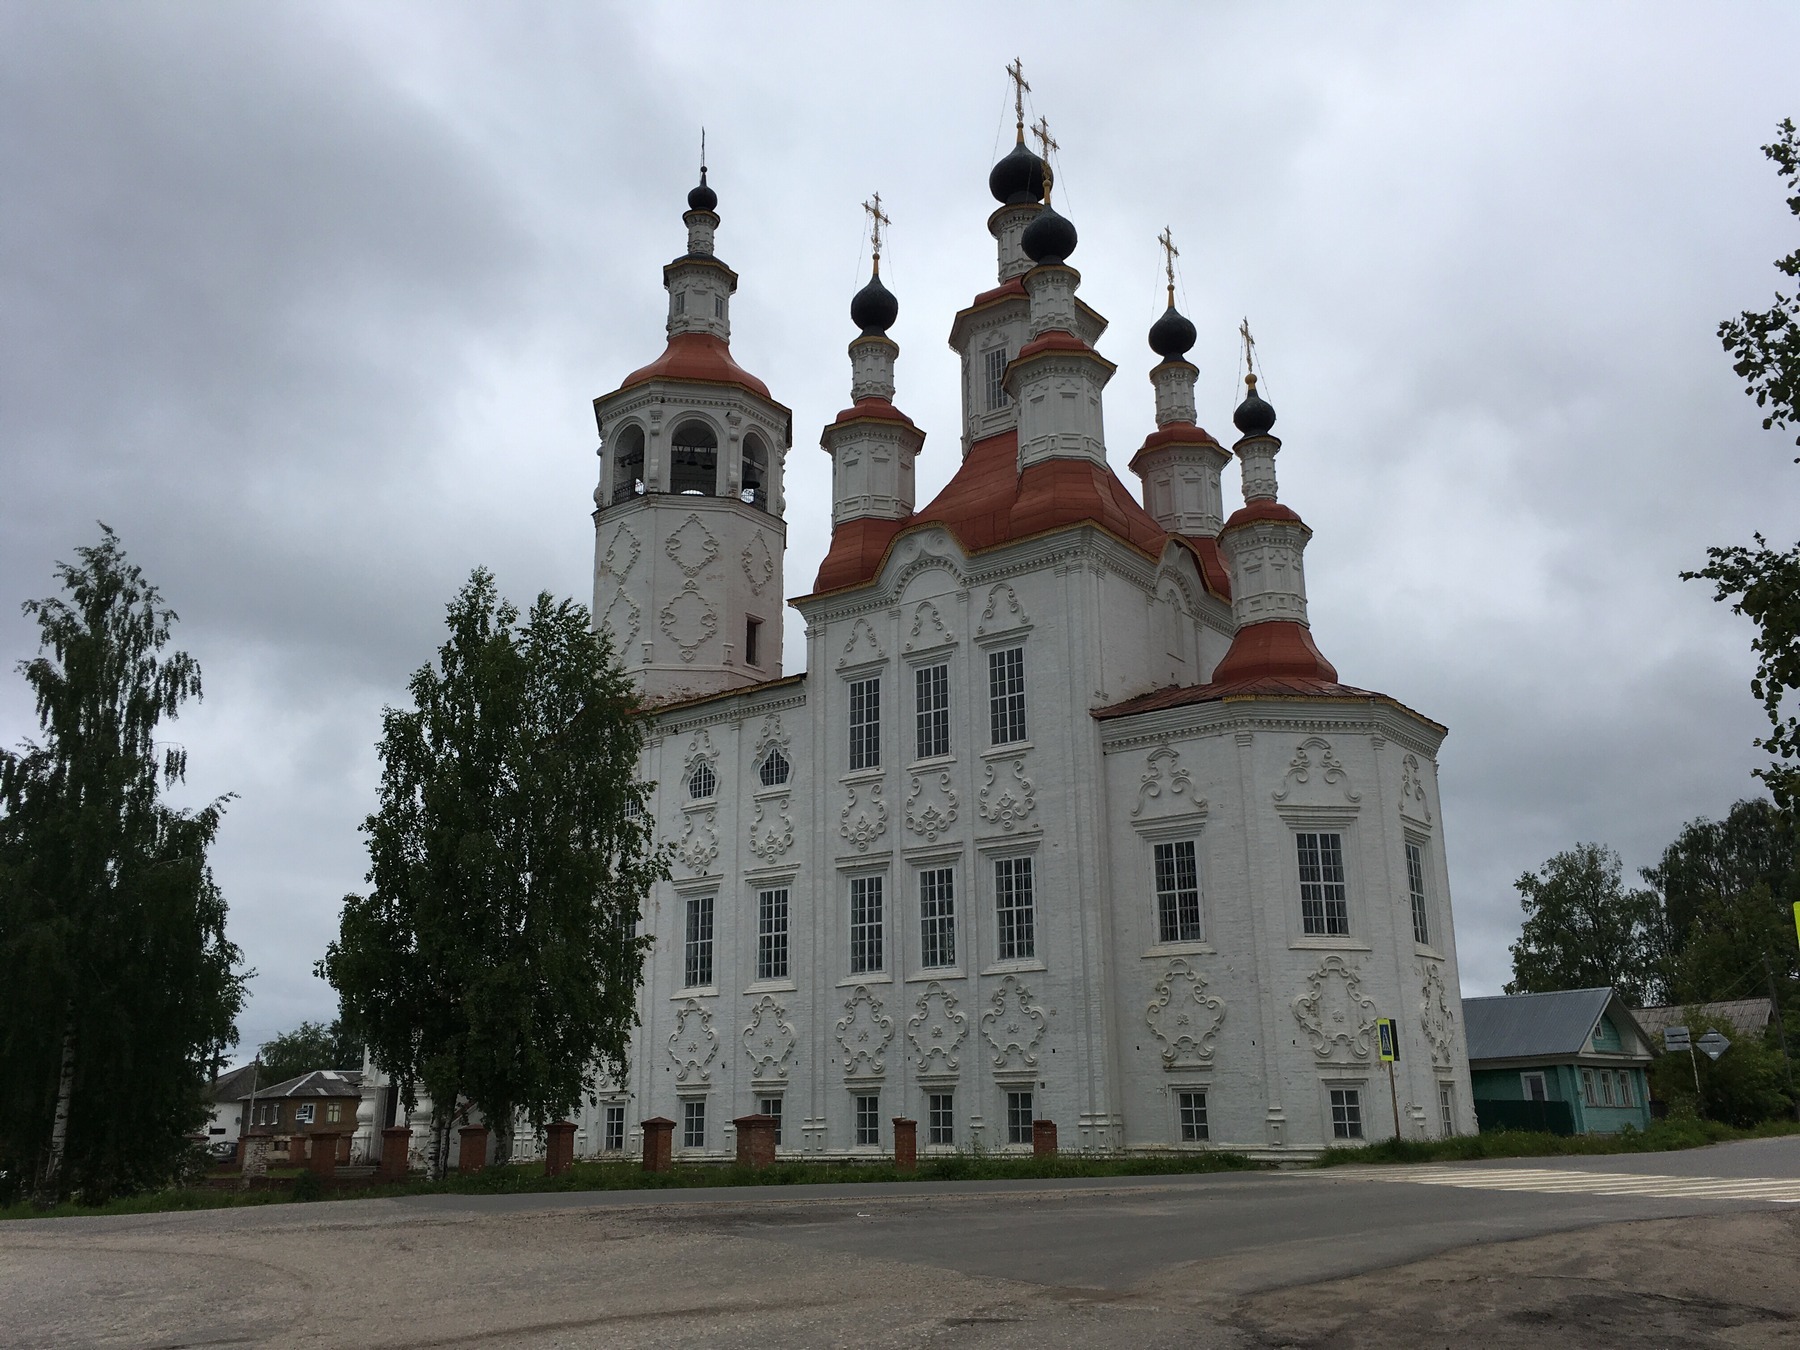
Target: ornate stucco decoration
{"x": 770, "y": 840}
{"x": 930, "y": 808}
{"x": 693, "y": 1044}
{"x": 936, "y": 1030}
{"x": 769, "y": 1040}
{"x": 622, "y": 619}
{"x": 691, "y": 546}
{"x": 928, "y": 628}
{"x": 770, "y": 735}
{"x": 700, "y": 750}
{"x": 1314, "y": 768}
{"x": 1334, "y": 1012}
{"x": 864, "y": 1032}
{"x": 1436, "y": 1015}
{"x": 1007, "y": 804}
{"x": 860, "y": 828}
{"x": 1003, "y": 611}
{"x": 1183, "y": 1017}
{"x": 690, "y": 620}
{"x": 1165, "y": 778}
{"x": 758, "y": 563}
{"x": 699, "y": 842}
{"x": 1412, "y": 790}
{"x": 862, "y": 646}
{"x": 1014, "y": 1026}
{"x": 621, "y": 553}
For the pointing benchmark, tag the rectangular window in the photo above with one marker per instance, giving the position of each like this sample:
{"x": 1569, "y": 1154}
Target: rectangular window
{"x": 1177, "y": 892}
{"x": 1192, "y": 1108}
{"x": 1006, "y": 695}
{"x": 693, "y": 1124}
{"x": 697, "y": 967}
{"x": 940, "y": 1118}
{"x": 1015, "y": 907}
{"x": 1587, "y": 1088}
{"x": 1606, "y": 1088}
{"x": 931, "y": 705}
{"x": 614, "y": 1136}
{"x": 334, "y": 1112}
{"x": 996, "y": 378}
{"x": 771, "y": 1106}
{"x": 1324, "y": 906}
{"x": 868, "y": 1121}
{"x": 753, "y": 642}
{"x": 865, "y": 723}
{"x": 1532, "y": 1084}
{"x": 1415, "y": 886}
{"x": 303, "y": 1114}
{"x": 718, "y": 307}
{"x": 937, "y": 917}
{"x": 1447, "y": 1108}
{"x": 772, "y": 934}
{"x": 1346, "y": 1113}
{"x": 865, "y": 925}
{"x": 1018, "y": 1117}
{"x": 681, "y": 302}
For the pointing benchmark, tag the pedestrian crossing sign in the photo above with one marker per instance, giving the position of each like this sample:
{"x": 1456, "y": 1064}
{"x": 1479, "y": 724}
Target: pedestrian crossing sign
{"x": 1390, "y": 1039}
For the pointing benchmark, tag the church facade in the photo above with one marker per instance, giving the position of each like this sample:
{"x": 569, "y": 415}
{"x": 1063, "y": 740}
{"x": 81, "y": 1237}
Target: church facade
{"x": 1068, "y": 818}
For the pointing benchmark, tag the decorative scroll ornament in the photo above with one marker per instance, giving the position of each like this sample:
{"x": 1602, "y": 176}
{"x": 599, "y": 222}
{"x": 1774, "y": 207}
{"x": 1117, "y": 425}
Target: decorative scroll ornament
{"x": 759, "y": 564}
{"x": 622, "y": 619}
{"x": 862, "y": 646}
{"x": 930, "y": 812}
{"x": 620, "y": 554}
{"x": 699, "y": 842}
{"x": 699, "y": 751}
{"x": 693, "y": 1044}
{"x": 691, "y": 547}
{"x": 1436, "y": 1015}
{"x": 928, "y": 628}
{"x": 1163, "y": 773}
{"x": 1315, "y": 767}
{"x": 769, "y": 841}
{"x": 864, "y": 827}
{"x": 1014, "y": 1026}
{"x": 1184, "y": 1017}
{"x": 769, "y": 1040}
{"x": 864, "y": 1032}
{"x": 770, "y": 735}
{"x": 936, "y": 1030}
{"x": 1007, "y": 804}
{"x": 690, "y": 620}
{"x": 1003, "y": 611}
{"x": 1412, "y": 790}
{"x": 1334, "y": 1013}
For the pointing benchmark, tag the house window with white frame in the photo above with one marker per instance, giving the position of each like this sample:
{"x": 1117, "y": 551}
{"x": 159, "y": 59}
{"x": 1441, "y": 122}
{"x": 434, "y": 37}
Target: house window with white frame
{"x": 868, "y": 1120}
{"x": 697, "y": 950}
{"x": 931, "y": 711}
{"x": 1346, "y": 1113}
{"x": 1190, "y": 1107}
{"x": 1625, "y": 1087}
{"x": 937, "y": 917}
{"x": 334, "y": 1112}
{"x": 1015, "y": 909}
{"x": 613, "y": 1132}
{"x": 1006, "y": 695}
{"x": 865, "y": 925}
{"x": 1588, "y": 1092}
{"x": 1324, "y": 898}
{"x": 303, "y": 1114}
{"x": 693, "y": 1123}
{"x": 1606, "y": 1088}
{"x": 940, "y": 1118}
{"x": 1415, "y": 887}
{"x": 772, "y": 933}
{"x": 1177, "y": 891}
{"x": 1019, "y": 1114}
{"x": 865, "y": 723}
{"x": 995, "y": 372}
{"x": 771, "y": 1107}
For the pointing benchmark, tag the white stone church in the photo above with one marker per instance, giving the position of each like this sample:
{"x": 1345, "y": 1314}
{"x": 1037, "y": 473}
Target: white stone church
{"x": 1067, "y": 819}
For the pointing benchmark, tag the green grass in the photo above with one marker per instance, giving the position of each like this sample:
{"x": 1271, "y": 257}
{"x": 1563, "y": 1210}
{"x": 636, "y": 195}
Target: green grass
{"x": 527, "y": 1178}
{"x": 1662, "y": 1136}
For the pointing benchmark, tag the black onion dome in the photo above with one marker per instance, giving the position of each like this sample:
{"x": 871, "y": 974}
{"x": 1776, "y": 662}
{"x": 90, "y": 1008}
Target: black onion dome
{"x": 1018, "y": 178}
{"x": 702, "y": 198}
{"x": 1253, "y": 417}
{"x": 1050, "y": 238}
{"x": 1172, "y": 335}
{"x": 874, "y": 308}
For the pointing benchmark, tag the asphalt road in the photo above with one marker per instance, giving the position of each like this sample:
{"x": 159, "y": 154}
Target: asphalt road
{"x": 1358, "y": 1256}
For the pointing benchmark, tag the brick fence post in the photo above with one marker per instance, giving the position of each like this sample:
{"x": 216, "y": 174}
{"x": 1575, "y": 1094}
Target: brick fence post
{"x": 325, "y": 1155}
{"x": 906, "y": 1144}
{"x": 559, "y": 1147}
{"x": 755, "y": 1140}
{"x": 472, "y": 1152}
{"x": 659, "y": 1143}
{"x": 396, "y": 1153}
{"x": 1043, "y": 1138}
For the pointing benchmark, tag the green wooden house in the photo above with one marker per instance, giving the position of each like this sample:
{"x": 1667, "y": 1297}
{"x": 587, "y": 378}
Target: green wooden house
{"x": 1572, "y": 1062}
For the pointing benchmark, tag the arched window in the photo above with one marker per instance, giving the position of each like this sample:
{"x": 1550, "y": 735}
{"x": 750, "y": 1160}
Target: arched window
{"x": 756, "y": 472}
{"x": 774, "y": 771}
{"x": 628, "y": 465}
{"x": 694, "y": 459}
{"x": 702, "y": 782}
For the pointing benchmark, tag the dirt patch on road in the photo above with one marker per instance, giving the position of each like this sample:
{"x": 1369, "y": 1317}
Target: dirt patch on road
{"x": 1731, "y": 1280}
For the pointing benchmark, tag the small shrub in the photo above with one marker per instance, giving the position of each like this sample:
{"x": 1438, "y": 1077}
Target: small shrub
{"x": 307, "y": 1186}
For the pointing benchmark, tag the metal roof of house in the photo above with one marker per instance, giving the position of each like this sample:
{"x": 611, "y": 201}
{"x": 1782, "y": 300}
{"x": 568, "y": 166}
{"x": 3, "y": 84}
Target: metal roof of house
{"x": 1746, "y": 1014}
{"x": 318, "y": 1083}
{"x": 225, "y": 1087}
{"x": 1531, "y": 1026}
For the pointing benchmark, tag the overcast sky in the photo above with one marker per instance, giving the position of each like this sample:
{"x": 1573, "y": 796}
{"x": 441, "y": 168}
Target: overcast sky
{"x": 310, "y": 304}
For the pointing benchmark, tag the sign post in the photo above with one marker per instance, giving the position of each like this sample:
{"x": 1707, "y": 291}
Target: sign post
{"x": 1389, "y": 1032}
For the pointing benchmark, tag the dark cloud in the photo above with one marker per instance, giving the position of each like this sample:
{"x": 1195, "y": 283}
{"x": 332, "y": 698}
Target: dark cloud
{"x": 310, "y": 303}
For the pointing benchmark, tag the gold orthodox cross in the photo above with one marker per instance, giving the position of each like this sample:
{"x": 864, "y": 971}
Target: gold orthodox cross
{"x": 1170, "y": 254}
{"x": 1017, "y": 72}
{"x": 877, "y": 218}
{"x": 1249, "y": 347}
{"x": 1041, "y": 129}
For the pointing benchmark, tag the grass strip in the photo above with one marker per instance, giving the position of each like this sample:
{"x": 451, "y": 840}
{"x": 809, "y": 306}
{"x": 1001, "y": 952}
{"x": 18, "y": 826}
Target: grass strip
{"x": 1663, "y": 1136}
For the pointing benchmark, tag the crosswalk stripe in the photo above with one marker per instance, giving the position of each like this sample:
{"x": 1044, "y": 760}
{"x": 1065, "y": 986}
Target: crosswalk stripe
{"x": 1551, "y": 1181}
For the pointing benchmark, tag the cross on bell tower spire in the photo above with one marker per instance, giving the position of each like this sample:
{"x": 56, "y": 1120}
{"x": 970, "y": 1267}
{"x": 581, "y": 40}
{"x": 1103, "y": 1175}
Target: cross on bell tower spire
{"x": 1046, "y": 143}
{"x": 877, "y": 218}
{"x": 1170, "y": 254}
{"x": 1020, "y": 88}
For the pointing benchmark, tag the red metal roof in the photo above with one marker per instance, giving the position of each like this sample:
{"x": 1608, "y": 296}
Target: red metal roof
{"x": 700, "y": 357}
{"x": 876, "y": 409}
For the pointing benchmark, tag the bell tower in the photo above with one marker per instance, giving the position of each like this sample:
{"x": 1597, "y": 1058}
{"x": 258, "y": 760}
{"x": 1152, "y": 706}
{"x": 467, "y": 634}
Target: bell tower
{"x": 689, "y": 533}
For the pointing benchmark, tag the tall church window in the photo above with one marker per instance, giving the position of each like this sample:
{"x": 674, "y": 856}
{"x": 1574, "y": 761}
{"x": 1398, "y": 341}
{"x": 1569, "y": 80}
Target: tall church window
{"x": 702, "y": 782}
{"x": 1346, "y": 1113}
{"x": 865, "y": 925}
{"x": 1415, "y": 885}
{"x": 628, "y": 465}
{"x": 755, "y": 472}
{"x": 694, "y": 459}
{"x": 1019, "y": 1114}
{"x": 693, "y": 1124}
{"x": 937, "y": 917}
{"x": 1177, "y": 892}
{"x": 865, "y": 723}
{"x": 931, "y": 706}
{"x": 1324, "y": 901}
{"x": 697, "y": 952}
{"x": 1006, "y": 695}
{"x": 775, "y": 769}
{"x": 995, "y": 372}
{"x": 772, "y": 934}
{"x": 1015, "y": 907}
{"x": 752, "y": 642}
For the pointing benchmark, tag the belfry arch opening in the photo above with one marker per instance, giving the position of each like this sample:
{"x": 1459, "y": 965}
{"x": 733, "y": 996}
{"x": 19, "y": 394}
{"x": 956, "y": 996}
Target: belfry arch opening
{"x": 755, "y": 477}
{"x": 628, "y": 465}
{"x": 694, "y": 459}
